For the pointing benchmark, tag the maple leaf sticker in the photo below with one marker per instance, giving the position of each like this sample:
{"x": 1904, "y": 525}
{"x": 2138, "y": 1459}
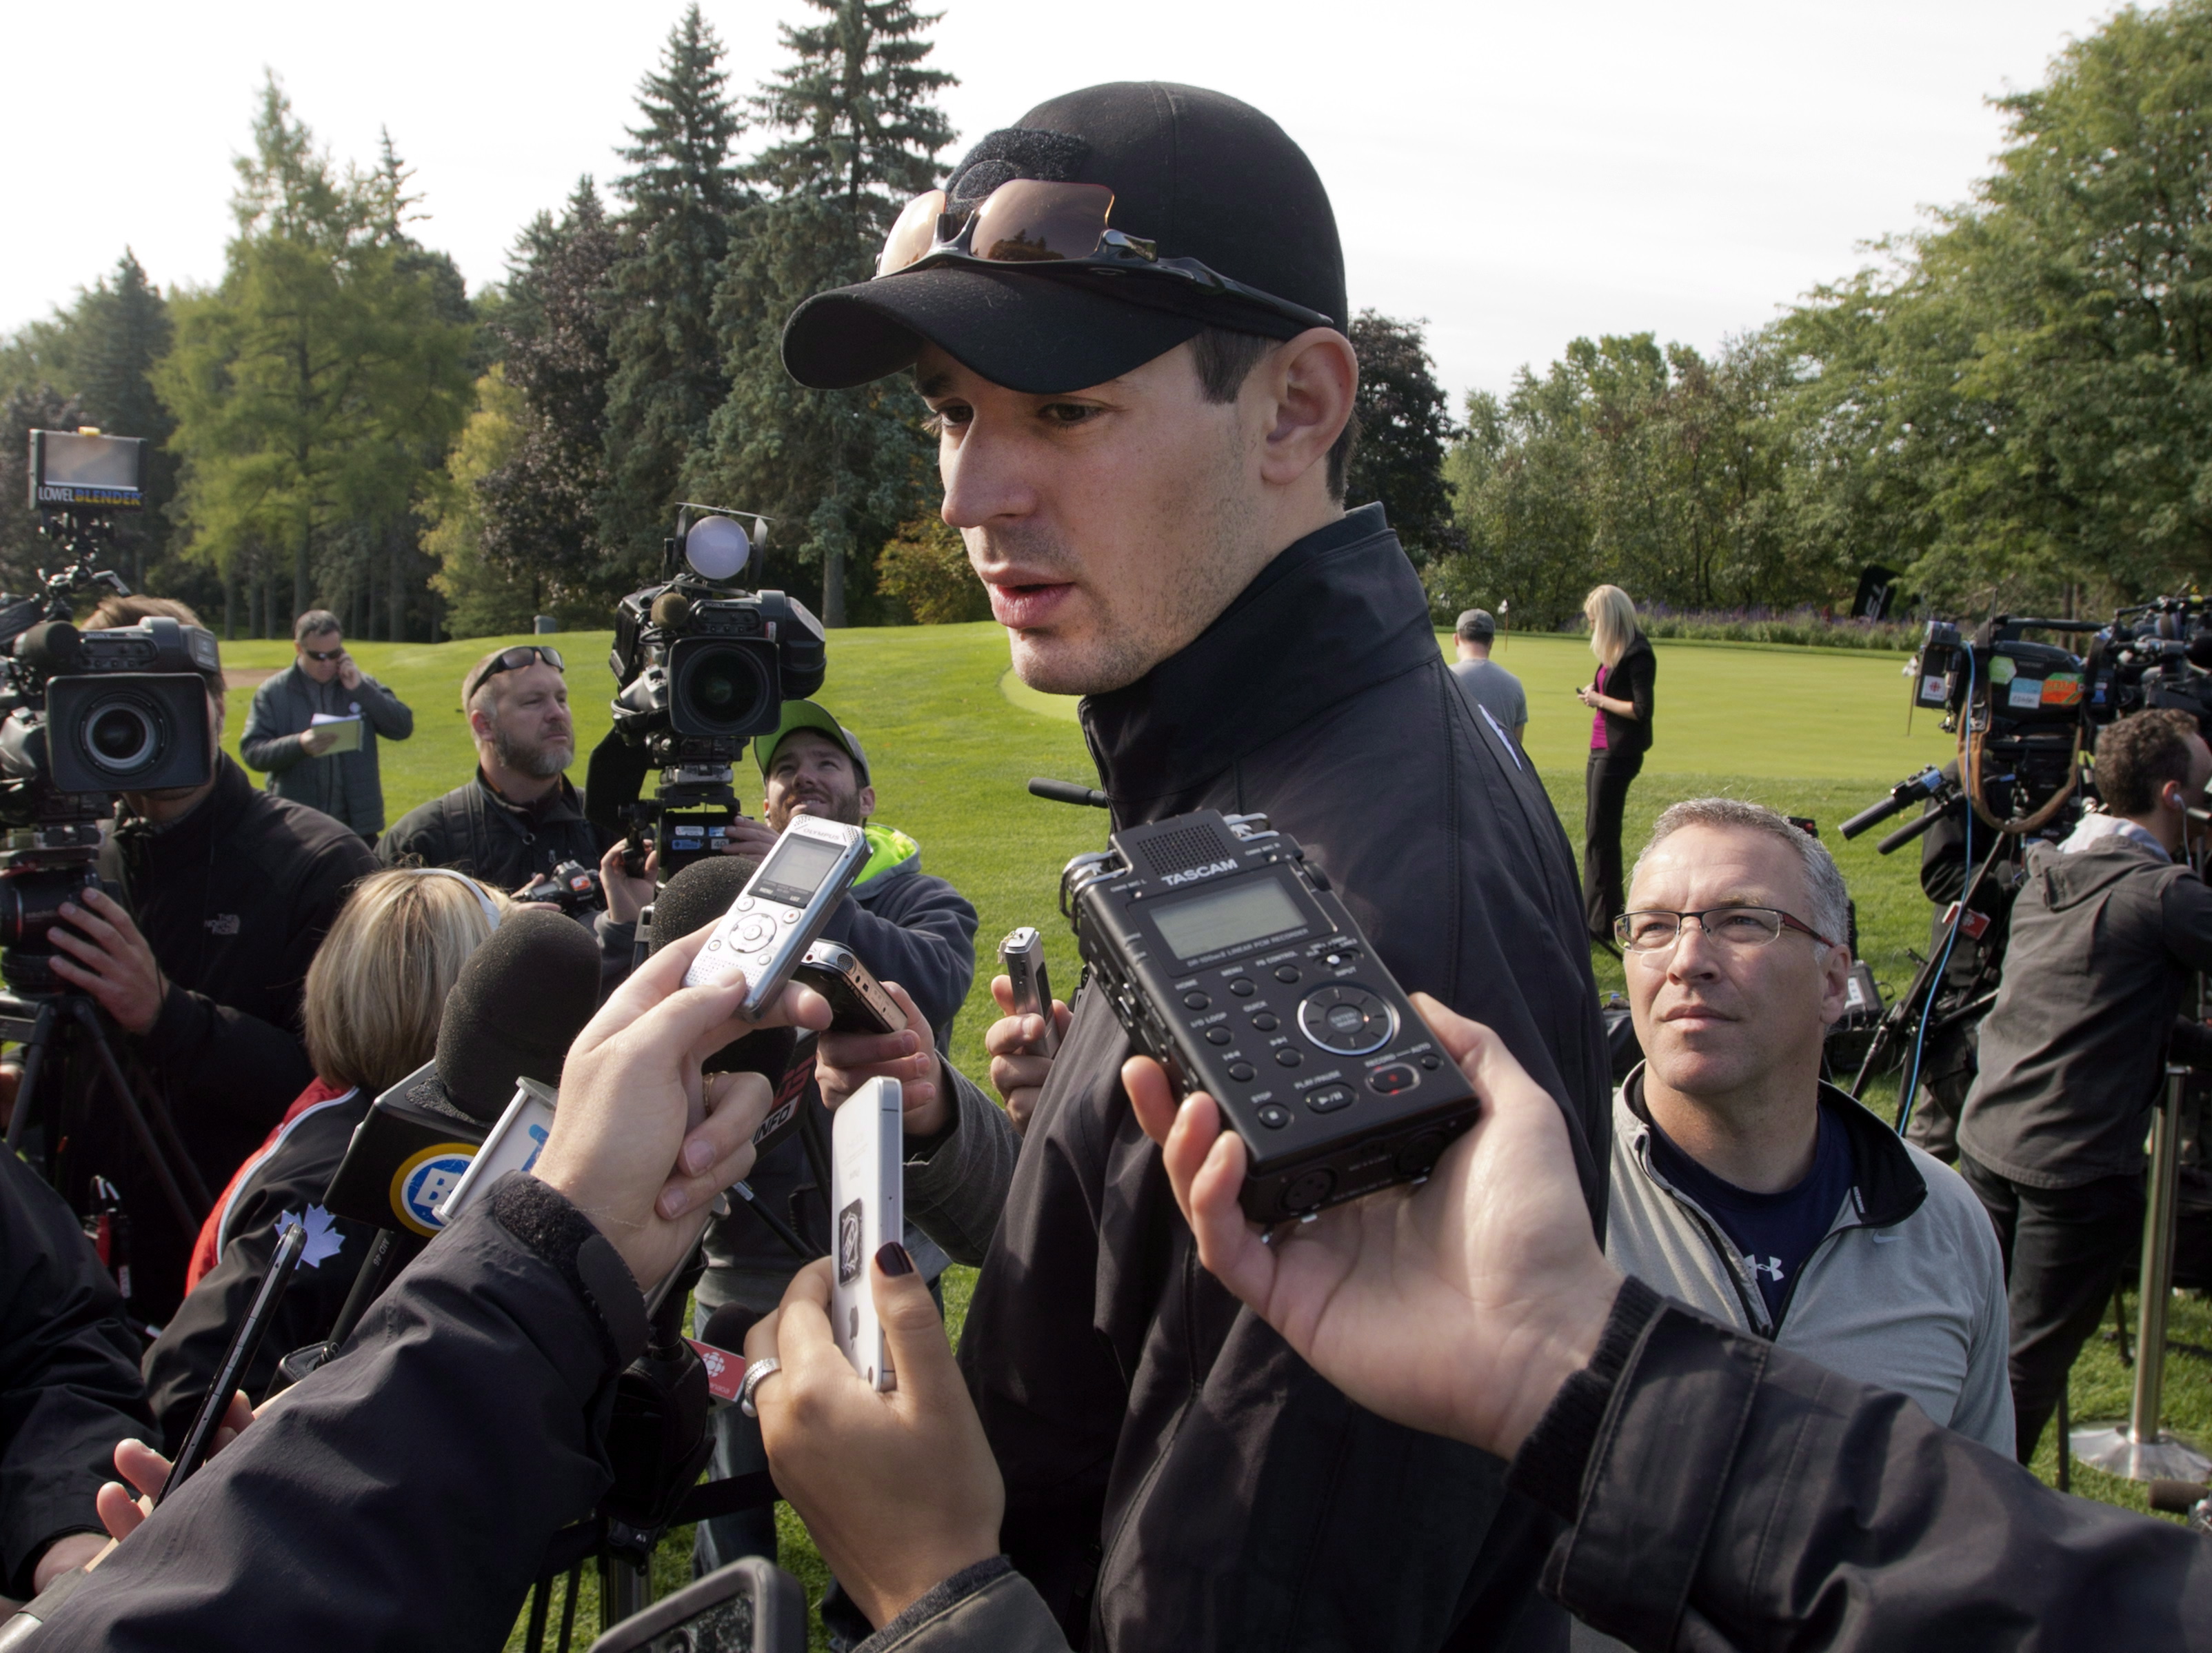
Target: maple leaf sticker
{"x": 323, "y": 1239}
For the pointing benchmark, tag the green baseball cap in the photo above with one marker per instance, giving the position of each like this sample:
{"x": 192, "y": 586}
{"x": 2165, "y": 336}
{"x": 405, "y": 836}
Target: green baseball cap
{"x": 805, "y": 714}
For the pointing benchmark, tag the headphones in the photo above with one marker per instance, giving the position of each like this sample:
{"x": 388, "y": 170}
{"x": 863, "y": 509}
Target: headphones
{"x": 490, "y": 908}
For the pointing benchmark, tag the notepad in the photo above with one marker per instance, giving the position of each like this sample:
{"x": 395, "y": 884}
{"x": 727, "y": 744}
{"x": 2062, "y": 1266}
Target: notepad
{"x": 348, "y": 730}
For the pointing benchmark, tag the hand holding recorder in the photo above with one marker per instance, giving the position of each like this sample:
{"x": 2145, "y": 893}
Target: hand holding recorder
{"x": 844, "y": 1062}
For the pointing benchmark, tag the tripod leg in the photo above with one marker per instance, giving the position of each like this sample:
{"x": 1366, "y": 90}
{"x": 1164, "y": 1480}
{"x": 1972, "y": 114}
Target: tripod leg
{"x": 142, "y": 1134}
{"x": 26, "y": 1088}
{"x": 184, "y": 1171}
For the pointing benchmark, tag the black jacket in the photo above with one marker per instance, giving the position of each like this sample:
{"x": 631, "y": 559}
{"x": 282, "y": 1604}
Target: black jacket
{"x": 69, "y": 1375}
{"x": 1174, "y": 1475}
{"x": 506, "y": 845}
{"x": 345, "y": 785}
{"x": 291, "y": 1176}
{"x": 1631, "y": 681}
{"x": 403, "y": 1497}
{"x": 234, "y": 899}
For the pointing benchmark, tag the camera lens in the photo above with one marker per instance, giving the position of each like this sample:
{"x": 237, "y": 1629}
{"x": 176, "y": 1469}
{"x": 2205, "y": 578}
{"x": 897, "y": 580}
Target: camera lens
{"x": 119, "y": 737}
{"x": 724, "y": 690}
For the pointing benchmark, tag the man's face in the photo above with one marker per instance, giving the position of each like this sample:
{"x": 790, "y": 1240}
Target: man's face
{"x": 1111, "y": 524}
{"x": 2200, "y": 774}
{"x": 1717, "y": 1020}
{"x": 320, "y": 642}
{"x": 812, "y": 775}
{"x": 530, "y": 729}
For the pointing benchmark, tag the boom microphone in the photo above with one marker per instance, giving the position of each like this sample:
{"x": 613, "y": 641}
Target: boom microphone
{"x": 517, "y": 1006}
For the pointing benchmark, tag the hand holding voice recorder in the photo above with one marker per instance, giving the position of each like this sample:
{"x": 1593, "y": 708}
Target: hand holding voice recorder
{"x": 780, "y": 912}
{"x": 1022, "y": 955}
{"x": 1228, "y": 960}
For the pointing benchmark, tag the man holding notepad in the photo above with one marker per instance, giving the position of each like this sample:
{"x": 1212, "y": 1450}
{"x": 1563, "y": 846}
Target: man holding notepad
{"x": 314, "y": 728}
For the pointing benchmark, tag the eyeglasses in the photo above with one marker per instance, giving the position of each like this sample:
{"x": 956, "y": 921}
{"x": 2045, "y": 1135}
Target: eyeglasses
{"x": 1741, "y": 928}
{"x": 510, "y": 660}
{"x": 1025, "y": 221}
{"x": 324, "y": 656}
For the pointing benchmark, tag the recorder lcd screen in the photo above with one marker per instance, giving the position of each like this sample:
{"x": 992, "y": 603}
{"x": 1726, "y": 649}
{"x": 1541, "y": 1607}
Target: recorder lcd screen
{"x": 1227, "y": 918}
{"x": 795, "y": 870}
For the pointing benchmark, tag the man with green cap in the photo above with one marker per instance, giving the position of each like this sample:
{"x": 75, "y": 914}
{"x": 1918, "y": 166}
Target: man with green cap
{"x": 914, "y": 931}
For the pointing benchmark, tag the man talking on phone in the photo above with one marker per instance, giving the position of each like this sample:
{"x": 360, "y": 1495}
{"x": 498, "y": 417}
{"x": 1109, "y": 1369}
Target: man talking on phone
{"x": 1126, "y": 314}
{"x": 298, "y": 731}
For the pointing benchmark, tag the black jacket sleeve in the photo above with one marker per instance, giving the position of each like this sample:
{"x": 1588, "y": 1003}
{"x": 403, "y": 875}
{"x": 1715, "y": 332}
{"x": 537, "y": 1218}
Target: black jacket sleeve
{"x": 213, "y": 1055}
{"x": 69, "y": 1375}
{"x": 384, "y": 711}
{"x": 1726, "y": 1493}
{"x": 403, "y": 1495}
{"x": 266, "y": 743}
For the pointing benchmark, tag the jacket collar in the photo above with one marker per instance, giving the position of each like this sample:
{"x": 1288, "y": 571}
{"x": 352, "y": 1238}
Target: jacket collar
{"x": 1335, "y": 615}
{"x": 219, "y": 810}
{"x": 1886, "y": 1185}
{"x": 561, "y": 804}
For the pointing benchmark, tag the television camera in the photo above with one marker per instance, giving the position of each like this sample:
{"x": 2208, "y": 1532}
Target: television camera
{"x": 84, "y": 716}
{"x": 701, "y": 666}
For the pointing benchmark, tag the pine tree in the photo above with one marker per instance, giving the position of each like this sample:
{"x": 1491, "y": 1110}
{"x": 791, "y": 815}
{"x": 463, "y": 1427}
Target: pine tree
{"x": 537, "y": 500}
{"x": 1404, "y": 424}
{"x": 122, "y": 330}
{"x": 842, "y": 469}
{"x": 667, "y": 378}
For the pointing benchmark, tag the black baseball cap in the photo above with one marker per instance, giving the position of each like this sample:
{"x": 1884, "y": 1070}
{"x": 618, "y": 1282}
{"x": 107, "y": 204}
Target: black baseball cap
{"x": 1203, "y": 175}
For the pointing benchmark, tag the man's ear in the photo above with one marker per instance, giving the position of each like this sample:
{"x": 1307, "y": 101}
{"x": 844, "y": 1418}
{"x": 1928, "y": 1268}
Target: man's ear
{"x": 1835, "y": 983}
{"x": 867, "y": 802}
{"x": 1309, "y": 383}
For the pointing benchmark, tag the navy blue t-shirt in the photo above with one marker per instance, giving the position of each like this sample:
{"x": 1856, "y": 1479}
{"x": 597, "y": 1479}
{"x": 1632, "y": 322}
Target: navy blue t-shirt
{"x": 1775, "y": 1233}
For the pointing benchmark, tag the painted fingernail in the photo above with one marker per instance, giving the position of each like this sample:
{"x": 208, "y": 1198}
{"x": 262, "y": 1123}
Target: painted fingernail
{"x": 891, "y": 1258}
{"x": 673, "y": 1201}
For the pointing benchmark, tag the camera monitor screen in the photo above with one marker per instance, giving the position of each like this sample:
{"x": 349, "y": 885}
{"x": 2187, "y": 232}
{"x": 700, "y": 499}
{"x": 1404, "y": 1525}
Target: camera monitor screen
{"x": 1228, "y": 918}
{"x": 80, "y": 468}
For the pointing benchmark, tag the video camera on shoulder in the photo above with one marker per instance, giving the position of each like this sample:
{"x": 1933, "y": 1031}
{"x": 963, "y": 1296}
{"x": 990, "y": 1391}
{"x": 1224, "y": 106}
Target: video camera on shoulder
{"x": 701, "y": 665}
{"x": 1228, "y": 958}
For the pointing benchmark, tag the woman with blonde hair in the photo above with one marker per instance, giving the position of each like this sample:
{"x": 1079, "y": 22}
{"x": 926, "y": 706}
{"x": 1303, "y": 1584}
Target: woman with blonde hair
{"x": 1621, "y": 733}
{"x": 374, "y": 992}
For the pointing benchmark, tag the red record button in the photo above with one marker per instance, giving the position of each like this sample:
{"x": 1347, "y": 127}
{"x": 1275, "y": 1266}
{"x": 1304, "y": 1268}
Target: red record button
{"x": 1391, "y": 1079}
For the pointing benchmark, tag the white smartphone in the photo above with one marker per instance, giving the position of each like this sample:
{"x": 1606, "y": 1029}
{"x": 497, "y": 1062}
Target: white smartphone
{"x": 780, "y": 912}
{"x": 867, "y": 1186}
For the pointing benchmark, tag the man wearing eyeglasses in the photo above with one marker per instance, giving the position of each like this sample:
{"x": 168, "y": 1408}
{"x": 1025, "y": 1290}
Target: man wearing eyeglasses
{"x": 519, "y": 819}
{"x": 1744, "y": 1186}
{"x": 315, "y": 725}
{"x": 1127, "y": 314}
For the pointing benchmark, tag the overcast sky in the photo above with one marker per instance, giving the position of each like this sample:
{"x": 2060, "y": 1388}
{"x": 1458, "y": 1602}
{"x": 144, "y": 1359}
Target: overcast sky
{"x": 1518, "y": 174}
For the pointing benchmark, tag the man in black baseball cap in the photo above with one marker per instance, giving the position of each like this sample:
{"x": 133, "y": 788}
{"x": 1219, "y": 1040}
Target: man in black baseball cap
{"x": 1128, "y": 313}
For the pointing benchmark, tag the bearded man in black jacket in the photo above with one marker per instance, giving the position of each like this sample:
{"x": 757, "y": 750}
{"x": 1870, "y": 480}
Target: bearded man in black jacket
{"x": 1127, "y": 316}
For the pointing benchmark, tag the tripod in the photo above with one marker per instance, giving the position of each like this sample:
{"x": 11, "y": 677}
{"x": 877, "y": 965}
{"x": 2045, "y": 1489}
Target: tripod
{"x": 35, "y": 1020}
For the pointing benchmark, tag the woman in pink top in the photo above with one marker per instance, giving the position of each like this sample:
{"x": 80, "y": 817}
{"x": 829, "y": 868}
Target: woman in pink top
{"x": 1621, "y": 733}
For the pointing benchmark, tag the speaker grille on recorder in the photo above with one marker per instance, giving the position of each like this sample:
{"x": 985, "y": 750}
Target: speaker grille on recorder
{"x": 1179, "y": 851}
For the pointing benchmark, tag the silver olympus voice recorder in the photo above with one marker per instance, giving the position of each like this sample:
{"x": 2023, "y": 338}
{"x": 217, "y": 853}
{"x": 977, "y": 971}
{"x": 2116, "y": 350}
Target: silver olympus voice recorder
{"x": 1228, "y": 958}
{"x": 780, "y": 912}
{"x": 1022, "y": 954}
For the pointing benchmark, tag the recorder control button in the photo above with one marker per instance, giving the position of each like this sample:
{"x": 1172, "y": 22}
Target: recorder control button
{"x": 1329, "y": 1098}
{"x": 744, "y": 903}
{"x": 754, "y": 929}
{"x": 1219, "y": 1036}
{"x": 1348, "y": 1020}
{"x": 790, "y": 915}
{"x": 714, "y": 943}
{"x": 1429, "y": 1063}
{"x": 1195, "y": 1001}
{"x": 1241, "y": 986}
{"x": 1274, "y": 1115}
{"x": 1288, "y": 1058}
{"x": 1286, "y": 972}
{"x": 1266, "y": 1022}
{"x": 1391, "y": 1079}
{"x": 1242, "y": 1071}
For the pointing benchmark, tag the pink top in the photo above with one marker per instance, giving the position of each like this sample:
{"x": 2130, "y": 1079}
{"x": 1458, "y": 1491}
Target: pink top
{"x": 1597, "y": 723}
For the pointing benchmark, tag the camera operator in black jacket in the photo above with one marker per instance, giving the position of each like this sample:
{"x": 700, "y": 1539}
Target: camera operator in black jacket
{"x": 1145, "y": 443}
{"x": 227, "y": 891}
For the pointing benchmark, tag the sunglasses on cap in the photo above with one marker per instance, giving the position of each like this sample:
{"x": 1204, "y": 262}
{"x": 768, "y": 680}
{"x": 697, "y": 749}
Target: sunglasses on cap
{"x": 1026, "y": 220}
{"x": 510, "y": 660}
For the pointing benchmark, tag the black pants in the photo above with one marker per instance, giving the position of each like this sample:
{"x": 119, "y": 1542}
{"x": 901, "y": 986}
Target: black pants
{"x": 2063, "y": 1251}
{"x": 1604, "y": 786}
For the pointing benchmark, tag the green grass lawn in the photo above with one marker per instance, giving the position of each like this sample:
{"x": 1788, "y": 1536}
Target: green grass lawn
{"x": 951, "y": 742}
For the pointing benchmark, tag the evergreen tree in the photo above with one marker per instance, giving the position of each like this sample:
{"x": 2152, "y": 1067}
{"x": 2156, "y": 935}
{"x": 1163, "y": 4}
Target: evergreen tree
{"x": 839, "y": 471}
{"x": 122, "y": 330}
{"x": 23, "y": 550}
{"x": 1404, "y": 424}
{"x": 538, "y": 499}
{"x": 483, "y": 599}
{"x": 667, "y": 379}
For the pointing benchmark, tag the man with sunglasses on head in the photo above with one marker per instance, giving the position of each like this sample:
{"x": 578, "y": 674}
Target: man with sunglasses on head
{"x": 1126, "y": 314}
{"x": 298, "y": 717}
{"x": 519, "y": 819}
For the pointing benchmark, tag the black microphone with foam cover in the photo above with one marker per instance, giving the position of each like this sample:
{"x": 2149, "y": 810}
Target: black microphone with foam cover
{"x": 517, "y": 1006}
